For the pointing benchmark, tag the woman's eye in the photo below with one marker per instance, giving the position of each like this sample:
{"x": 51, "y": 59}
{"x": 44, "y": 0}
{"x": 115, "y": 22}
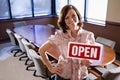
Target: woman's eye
{"x": 66, "y": 17}
{"x": 73, "y": 15}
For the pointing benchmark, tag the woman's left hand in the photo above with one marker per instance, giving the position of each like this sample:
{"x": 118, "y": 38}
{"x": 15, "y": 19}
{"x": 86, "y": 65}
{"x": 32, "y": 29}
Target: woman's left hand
{"x": 86, "y": 62}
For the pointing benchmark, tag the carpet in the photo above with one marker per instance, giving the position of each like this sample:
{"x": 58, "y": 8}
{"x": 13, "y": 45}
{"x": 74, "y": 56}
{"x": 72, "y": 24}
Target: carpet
{"x": 11, "y": 68}
{"x": 6, "y": 52}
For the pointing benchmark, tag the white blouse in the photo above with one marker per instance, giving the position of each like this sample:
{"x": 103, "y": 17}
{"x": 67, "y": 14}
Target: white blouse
{"x": 73, "y": 69}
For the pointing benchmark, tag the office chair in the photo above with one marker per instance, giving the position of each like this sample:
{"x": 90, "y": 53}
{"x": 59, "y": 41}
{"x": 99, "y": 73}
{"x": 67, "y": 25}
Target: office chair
{"x": 112, "y": 74}
{"x": 20, "y": 23}
{"x": 11, "y": 36}
{"x": 103, "y": 70}
{"x": 50, "y": 25}
{"x": 13, "y": 42}
{"x": 105, "y": 41}
{"x": 27, "y": 45}
{"x": 107, "y": 74}
{"x": 22, "y": 47}
{"x": 40, "y": 69}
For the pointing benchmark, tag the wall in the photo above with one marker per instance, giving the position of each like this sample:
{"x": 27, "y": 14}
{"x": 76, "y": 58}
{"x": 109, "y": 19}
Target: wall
{"x": 113, "y": 11}
{"x": 110, "y": 31}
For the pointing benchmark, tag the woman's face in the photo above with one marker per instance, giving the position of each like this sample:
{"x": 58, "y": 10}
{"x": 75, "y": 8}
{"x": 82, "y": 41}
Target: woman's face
{"x": 71, "y": 20}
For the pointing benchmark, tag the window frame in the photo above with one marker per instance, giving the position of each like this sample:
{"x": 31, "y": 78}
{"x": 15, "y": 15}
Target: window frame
{"x": 53, "y": 12}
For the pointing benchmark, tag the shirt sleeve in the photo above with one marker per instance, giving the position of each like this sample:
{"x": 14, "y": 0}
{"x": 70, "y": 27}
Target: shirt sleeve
{"x": 91, "y": 38}
{"x": 56, "y": 39}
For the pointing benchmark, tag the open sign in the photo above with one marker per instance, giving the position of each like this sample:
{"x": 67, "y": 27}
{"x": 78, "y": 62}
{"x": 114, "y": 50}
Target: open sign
{"x": 80, "y": 50}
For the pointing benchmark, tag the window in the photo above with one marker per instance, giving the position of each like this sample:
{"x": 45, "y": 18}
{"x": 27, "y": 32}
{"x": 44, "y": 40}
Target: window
{"x": 79, "y": 4}
{"x": 96, "y": 11}
{"x": 93, "y": 11}
{"x": 28, "y": 8}
{"x": 21, "y": 9}
{"x": 40, "y": 7}
{"x": 4, "y": 9}
{"x": 59, "y": 4}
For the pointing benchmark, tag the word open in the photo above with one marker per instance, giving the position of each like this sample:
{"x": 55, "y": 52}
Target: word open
{"x": 78, "y": 50}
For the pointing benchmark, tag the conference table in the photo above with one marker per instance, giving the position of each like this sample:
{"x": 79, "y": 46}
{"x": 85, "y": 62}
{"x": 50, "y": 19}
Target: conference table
{"x": 38, "y": 34}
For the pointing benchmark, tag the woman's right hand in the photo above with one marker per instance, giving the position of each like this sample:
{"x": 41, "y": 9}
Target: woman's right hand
{"x": 56, "y": 69}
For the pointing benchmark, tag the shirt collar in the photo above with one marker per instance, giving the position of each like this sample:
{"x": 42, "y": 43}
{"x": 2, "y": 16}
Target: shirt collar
{"x": 79, "y": 32}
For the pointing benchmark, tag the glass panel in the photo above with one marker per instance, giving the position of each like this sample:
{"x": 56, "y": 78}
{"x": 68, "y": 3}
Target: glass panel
{"x": 42, "y": 7}
{"x": 79, "y": 4}
{"x": 96, "y": 10}
{"x": 4, "y": 10}
{"x": 21, "y": 8}
{"x": 59, "y": 5}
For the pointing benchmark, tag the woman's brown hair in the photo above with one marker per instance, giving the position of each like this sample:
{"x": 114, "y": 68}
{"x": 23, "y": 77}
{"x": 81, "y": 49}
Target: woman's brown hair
{"x": 63, "y": 13}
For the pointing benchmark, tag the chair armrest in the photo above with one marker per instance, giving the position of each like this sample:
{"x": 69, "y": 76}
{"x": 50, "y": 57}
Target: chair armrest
{"x": 96, "y": 74}
{"x": 112, "y": 74}
{"x": 115, "y": 70}
{"x": 116, "y": 63}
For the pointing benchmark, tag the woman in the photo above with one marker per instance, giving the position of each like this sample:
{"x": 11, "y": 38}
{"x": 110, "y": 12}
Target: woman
{"x": 71, "y": 25}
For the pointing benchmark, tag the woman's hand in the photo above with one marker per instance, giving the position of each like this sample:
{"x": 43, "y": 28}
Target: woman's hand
{"x": 86, "y": 62}
{"x": 56, "y": 69}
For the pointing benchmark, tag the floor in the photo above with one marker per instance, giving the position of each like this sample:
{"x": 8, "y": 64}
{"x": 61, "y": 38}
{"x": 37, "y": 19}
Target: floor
{"x": 11, "y": 68}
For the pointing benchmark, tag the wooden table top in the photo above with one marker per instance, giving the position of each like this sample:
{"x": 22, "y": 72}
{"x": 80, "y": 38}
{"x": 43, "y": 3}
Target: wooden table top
{"x": 107, "y": 56}
{"x": 38, "y": 34}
